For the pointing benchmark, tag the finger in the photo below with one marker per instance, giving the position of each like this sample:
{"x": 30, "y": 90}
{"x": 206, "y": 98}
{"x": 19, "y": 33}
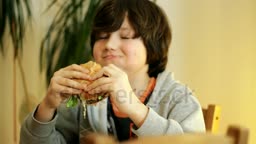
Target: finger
{"x": 98, "y": 82}
{"x": 106, "y": 88}
{"x": 105, "y": 71}
{"x": 114, "y": 67}
{"x": 76, "y": 67}
{"x": 66, "y": 91}
{"x": 70, "y": 83}
{"x": 75, "y": 75}
{"x": 64, "y": 97}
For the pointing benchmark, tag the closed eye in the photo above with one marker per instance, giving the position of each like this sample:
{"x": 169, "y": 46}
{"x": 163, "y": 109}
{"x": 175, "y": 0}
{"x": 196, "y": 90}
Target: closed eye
{"x": 126, "y": 37}
{"x": 102, "y": 36}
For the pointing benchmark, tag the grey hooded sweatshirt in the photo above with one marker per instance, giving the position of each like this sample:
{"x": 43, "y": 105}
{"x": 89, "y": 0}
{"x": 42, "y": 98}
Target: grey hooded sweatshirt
{"x": 172, "y": 110}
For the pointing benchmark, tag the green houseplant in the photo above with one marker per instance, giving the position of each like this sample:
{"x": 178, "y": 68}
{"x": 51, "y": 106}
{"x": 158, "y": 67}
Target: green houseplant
{"x": 68, "y": 37}
{"x": 72, "y": 23}
{"x": 12, "y": 16}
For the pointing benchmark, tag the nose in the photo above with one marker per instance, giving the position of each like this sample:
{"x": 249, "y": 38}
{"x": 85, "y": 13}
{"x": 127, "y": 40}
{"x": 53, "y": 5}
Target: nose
{"x": 113, "y": 41}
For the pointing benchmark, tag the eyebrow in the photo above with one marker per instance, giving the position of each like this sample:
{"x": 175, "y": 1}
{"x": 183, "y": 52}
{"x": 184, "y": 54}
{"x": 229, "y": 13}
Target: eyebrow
{"x": 125, "y": 28}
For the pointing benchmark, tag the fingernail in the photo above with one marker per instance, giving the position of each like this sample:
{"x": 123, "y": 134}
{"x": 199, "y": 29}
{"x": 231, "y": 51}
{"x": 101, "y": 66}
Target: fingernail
{"x": 86, "y": 71}
{"x": 90, "y": 77}
{"x": 86, "y": 77}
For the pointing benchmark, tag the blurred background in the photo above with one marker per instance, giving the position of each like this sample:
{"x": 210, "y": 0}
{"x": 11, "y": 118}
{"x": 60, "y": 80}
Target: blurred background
{"x": 212, "y": 51}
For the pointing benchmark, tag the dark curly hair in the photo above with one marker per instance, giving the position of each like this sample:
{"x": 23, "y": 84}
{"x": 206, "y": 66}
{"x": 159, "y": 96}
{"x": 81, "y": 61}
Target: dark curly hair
{"x": 149, "y": 22}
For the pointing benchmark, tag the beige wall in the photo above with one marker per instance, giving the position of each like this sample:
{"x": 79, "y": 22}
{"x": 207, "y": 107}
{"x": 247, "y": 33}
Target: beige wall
{"x": 212, "y": 52}
{"x": 33, "y": 78}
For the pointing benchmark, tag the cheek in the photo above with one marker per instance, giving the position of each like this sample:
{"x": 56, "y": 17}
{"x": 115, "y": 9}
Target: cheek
{"x": 130, "y": 52}
{"x": 96, "y": 51}
{"x": 136, "y": 54}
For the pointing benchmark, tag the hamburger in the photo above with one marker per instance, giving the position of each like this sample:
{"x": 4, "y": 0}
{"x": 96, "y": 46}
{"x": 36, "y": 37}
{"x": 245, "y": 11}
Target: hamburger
{"x": 93, "y": 68}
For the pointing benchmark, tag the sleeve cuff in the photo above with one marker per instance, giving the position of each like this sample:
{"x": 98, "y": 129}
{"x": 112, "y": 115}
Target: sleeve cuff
{"x": 157, "y": 125}
{"x": 40, "y": 129}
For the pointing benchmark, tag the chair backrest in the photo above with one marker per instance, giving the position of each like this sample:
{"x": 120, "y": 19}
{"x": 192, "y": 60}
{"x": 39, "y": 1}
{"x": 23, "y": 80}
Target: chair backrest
{"x": 239, "y": 134}
{"x": 212, "y": 118}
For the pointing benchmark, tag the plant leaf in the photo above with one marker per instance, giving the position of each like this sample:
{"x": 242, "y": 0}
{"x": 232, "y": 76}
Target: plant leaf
{"x": 12, "y": 13}
{"x": 67, "y": 40}
{"x": 72, "y": 101}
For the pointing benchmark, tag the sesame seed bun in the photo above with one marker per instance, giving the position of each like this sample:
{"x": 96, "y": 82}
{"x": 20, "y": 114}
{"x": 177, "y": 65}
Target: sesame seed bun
{"x": 93, "y": 68}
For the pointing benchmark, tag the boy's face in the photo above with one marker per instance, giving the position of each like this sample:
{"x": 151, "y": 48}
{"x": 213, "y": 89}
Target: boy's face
{"x": 121, "y": 49}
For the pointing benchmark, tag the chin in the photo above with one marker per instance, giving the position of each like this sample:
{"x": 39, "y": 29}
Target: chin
{"x": 107, "y": 62}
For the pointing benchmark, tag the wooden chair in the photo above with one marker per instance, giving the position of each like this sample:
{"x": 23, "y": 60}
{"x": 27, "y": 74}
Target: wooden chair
{"x": 239, "y": 134}
{"x": 212, "y": 118}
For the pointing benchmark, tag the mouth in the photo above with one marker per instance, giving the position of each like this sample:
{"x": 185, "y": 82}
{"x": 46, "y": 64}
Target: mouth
{"x": 110, "y": 57}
